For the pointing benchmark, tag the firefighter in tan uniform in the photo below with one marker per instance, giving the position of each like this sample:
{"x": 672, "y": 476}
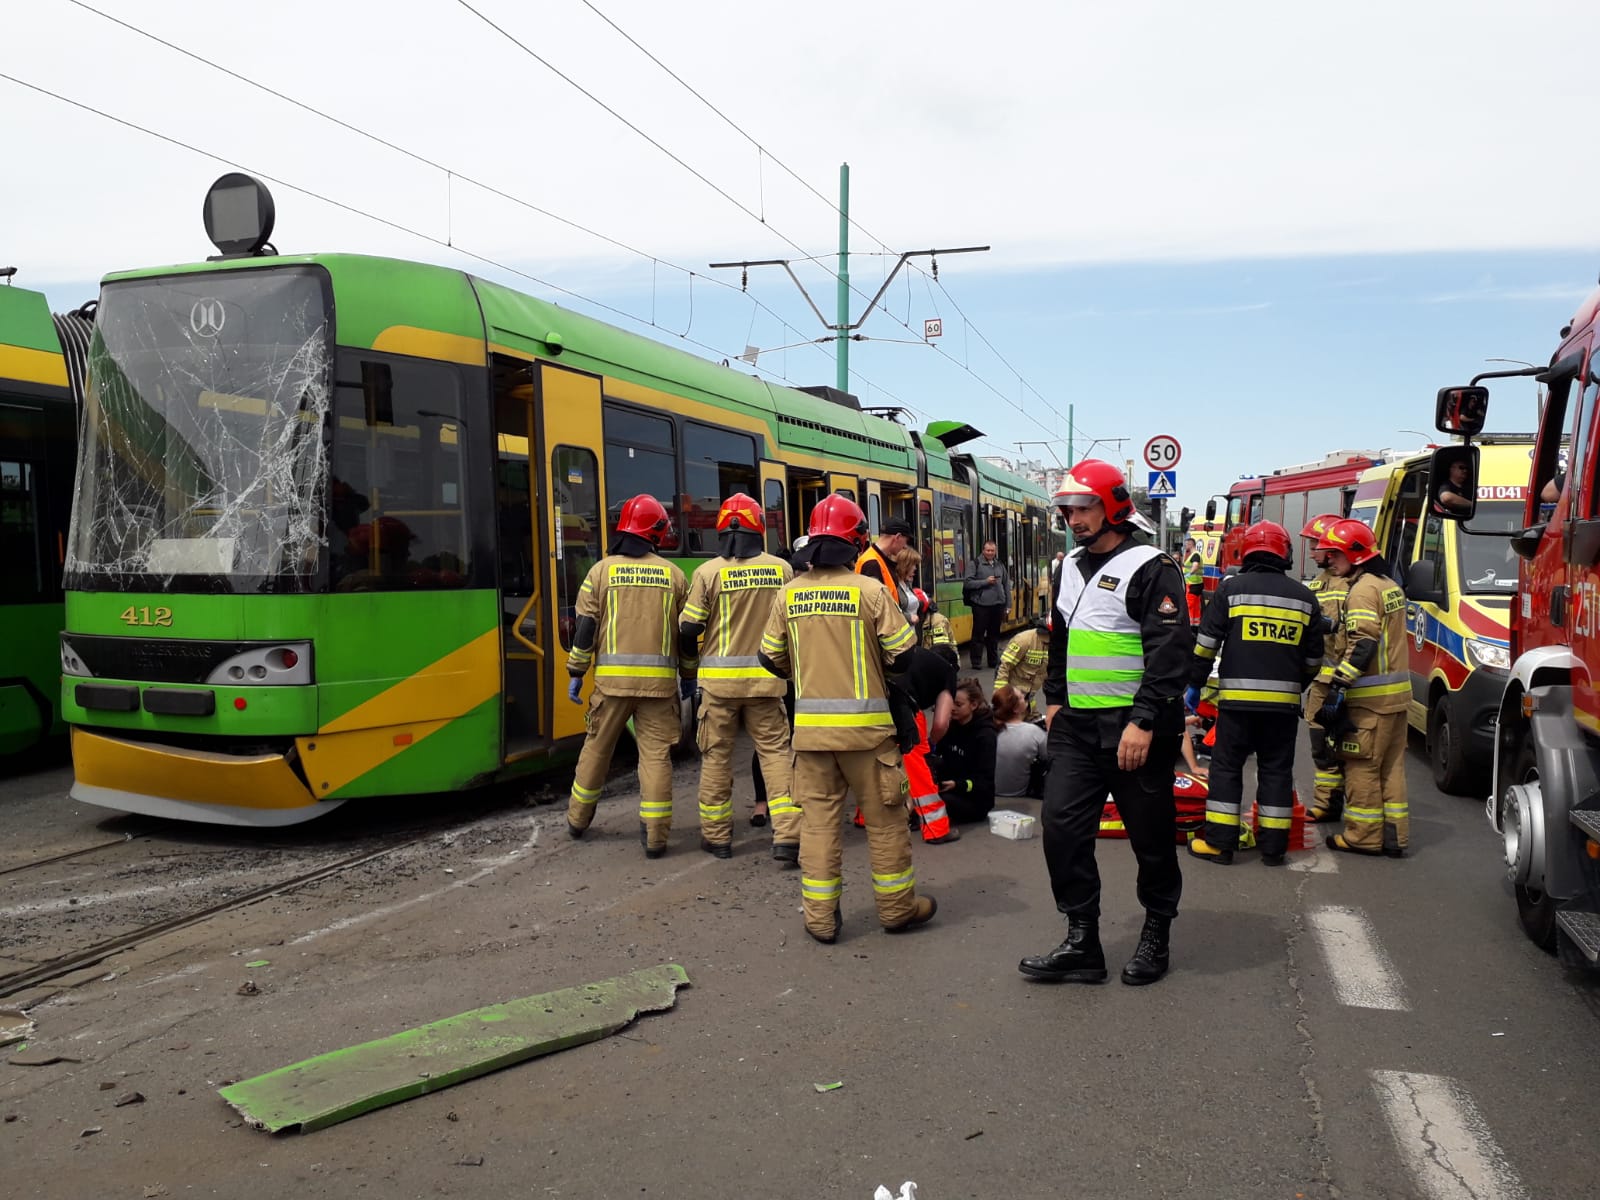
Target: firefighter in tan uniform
{"x": 935, "y": 634}
{"x": 1368, "y": 697}
{"x": 628, "y": 611}
{"x": 1022, "y": 665}
{"x": 1328, "y": 777}
{"x": 837, "y": 631}
{"x": 730, "y": 599}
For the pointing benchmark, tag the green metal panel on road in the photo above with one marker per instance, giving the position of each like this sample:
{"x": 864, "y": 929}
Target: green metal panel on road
{"x": 334, "y": 1087}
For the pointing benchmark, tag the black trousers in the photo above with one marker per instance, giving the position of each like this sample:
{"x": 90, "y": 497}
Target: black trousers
{"x": 1081, "y": 773}
{"x": 986, "y": 632}
{"x": 1270, "y": 736}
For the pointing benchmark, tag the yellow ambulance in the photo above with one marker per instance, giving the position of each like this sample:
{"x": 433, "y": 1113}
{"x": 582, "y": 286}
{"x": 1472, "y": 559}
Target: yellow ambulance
{"x": 1459, "y": 583}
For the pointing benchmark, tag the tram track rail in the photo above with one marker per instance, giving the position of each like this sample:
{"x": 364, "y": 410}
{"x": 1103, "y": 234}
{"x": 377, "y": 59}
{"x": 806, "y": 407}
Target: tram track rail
{"x": 89, "y": 956}
{"x": 69, "y": 855}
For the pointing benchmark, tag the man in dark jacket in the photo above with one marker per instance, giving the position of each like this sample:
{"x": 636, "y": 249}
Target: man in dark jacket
{"x": 1119, "y": 651}
{"x": 987, "y": 589}
{"x": 1268, "y": 629}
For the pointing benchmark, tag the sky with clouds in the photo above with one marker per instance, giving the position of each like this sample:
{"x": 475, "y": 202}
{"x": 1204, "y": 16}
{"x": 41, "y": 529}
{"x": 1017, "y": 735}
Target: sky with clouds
{"x": 1270, "y": 230}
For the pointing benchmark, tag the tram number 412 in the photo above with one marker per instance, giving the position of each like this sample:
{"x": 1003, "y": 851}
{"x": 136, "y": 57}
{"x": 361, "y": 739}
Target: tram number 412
{"x": 146, "y": 616}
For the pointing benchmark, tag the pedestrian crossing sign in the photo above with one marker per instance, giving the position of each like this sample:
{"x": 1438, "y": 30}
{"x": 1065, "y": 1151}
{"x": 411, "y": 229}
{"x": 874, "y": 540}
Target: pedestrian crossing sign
{"x": 1163, "y": 485}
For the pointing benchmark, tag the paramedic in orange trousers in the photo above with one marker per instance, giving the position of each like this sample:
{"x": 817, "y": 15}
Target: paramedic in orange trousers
{"x": 1114, "y": 702}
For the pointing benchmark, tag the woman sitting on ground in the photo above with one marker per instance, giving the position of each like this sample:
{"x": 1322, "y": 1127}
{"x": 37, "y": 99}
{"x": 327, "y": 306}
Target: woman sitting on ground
{"x": 1019, "y": 751}
{"x": 966, "y": 756}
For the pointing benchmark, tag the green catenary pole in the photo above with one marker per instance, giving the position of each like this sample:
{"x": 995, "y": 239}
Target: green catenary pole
{"x": 842, "y": 313}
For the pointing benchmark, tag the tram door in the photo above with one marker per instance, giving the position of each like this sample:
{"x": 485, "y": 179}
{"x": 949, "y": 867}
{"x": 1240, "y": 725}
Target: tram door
{"x": 572, "y": 512}
{"x": 774, "y": 488}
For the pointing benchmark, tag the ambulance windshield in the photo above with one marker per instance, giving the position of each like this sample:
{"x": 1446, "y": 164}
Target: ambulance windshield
{"x": 1488, "y": 566}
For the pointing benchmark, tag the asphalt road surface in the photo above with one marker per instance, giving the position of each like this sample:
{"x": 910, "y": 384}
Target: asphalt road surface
{"x": 1342, "y": 1028}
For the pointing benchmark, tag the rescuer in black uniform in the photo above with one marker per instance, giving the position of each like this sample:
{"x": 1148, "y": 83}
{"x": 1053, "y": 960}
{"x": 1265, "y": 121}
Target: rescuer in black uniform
{"x": 1268, "y": 629}
{"x": 1119, "y": 650}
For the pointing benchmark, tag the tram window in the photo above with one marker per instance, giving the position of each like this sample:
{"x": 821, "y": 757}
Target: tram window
{"x": 953, "y": 518}
{"x": 925, "y": 543}
{"x": 777, "y": 527}
{"x": 397, "y": 492}
{"x": 579, "y": 532}
{"x": 716, "y": 464}
{"x": 640, "y": 458}
{"x": 873, "y": 514}
{"x": 23, "y": 578}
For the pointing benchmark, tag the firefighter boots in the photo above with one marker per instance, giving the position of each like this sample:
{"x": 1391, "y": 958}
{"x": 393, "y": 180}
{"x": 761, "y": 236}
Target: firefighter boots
{"x": 921, "y": 913}
{"x": 716, "y": 849}
{"x": 1150, "y": 959}
{"x": 787, "y": 853}
{"x": 829, "y": 939}
{"x": 1078, "y": 959}
{"x": 1205, "y": 851}
{"x": 653, "y": 837}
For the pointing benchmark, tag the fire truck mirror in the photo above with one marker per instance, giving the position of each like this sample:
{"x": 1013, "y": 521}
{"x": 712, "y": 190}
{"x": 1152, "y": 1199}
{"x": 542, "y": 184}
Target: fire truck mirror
{"x": 1453, "y": 482}
{"x": 1461, "y": 410}
{"x": 1211, "y": 510}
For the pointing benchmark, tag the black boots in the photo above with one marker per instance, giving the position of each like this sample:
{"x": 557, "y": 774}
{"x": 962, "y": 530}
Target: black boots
{"x": 715, "y": 849}
{"x": 1079, "y": 959}
{"x": 788, "y": 853}
{"x": 1149, "y": 961}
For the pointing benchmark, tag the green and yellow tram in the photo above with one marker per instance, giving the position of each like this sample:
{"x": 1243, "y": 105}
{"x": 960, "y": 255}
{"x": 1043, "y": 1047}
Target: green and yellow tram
{"x": 335, "y": 511}
{"x": 41, "y": 376}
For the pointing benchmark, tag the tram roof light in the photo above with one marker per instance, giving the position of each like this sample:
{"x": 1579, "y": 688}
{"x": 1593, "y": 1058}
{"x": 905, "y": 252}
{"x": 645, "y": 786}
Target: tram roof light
{"x": 239, "y": 215}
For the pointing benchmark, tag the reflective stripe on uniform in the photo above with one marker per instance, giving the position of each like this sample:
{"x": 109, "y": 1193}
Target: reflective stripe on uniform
{"x": 1395, "y": 683}
{"x": 1273, "y": 817}
{"x": 899, "y": 639}
{"x": 898, "y": 882}
{"x": 927, "y": 810}
{"x": 1260, "y": 605}
{"x": 655, "y": 810}
{"x": 1260, "y": 691}
{"x": 717, "y": 812}
{"x": 777, "y": 806}
{"x": 584, "y": 795}
{"x": 821, "y": 889}
{"x": 694, "y": 614}
{"x": 733, "y": 666}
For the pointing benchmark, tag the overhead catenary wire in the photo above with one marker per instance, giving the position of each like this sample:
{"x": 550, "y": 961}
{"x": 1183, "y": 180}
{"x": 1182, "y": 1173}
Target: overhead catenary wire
{"x": 765, "y": 152}
{"x": 398, "y": 226}
{"x": 451, "y": 173}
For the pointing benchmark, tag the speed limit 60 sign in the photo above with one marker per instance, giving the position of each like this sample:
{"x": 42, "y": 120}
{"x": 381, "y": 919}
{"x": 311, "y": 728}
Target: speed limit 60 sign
{"x": 1162, "y": 453}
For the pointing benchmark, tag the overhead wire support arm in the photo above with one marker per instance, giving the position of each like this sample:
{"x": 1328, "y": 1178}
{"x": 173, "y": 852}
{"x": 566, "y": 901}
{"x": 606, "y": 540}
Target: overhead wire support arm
{"x": 835, "y": 326}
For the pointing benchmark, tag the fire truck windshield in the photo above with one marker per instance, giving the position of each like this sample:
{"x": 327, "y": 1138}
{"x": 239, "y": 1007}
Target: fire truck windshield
{"x": 1487, "y": 564}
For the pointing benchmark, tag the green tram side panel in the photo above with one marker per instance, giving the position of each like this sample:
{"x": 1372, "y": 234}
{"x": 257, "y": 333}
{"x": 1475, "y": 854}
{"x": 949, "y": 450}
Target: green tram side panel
{"x": 25, "y": 321}
{"x": 28, "y": 711}
{"x": 527, "y": 324}
{"x": 364, "y": 644}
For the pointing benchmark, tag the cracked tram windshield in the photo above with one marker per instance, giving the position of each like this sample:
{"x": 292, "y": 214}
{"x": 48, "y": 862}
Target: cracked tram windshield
{"x": 203, "y": 462}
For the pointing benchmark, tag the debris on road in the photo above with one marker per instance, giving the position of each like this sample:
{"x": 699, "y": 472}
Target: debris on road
{"x": 828, "y": 1087}
{"x": 908, "y": 1191}
{"x": 260, "y": 962}
{"x": 470, "y": 1160}
{"x": 128, "y": 1098}
{"x": 346, "y": 1083}
{"x": 39, "y": 1056}
{"x": 248, "y": 988}
{"x": 14, "y": 1026}
{"x": 91, "y": 1131}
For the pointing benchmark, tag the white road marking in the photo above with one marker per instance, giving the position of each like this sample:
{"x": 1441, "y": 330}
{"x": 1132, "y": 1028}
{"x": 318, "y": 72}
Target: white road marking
{"x": 490, "y": 866}
{"x": 1443, "y": 1139}
{"x": 1362, "y": 975}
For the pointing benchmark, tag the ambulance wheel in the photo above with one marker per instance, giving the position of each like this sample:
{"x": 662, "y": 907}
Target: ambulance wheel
{"x": 1447, "y": 751}
{"x": 1535, "y": 910}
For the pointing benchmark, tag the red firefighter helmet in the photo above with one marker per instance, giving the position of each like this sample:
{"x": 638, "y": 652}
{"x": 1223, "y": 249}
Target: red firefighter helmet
{"x": 645, "y": 516}
{"x": 922, "y": 597}
{"x": 740, "y": 512}
{"x": 839, "y": 517}
{"x": 1351, "y": 538}
{"x": 1318, "y": 526}
{"x": 1093, "y": 479}
{"x": 1266, "y": 537}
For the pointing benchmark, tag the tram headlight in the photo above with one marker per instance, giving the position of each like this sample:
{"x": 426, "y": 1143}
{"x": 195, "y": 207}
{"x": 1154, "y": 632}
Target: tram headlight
{"x": 1488, "y": 654}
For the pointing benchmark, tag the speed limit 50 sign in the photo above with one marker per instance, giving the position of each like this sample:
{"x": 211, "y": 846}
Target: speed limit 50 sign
{"x": 1162, "y": 452}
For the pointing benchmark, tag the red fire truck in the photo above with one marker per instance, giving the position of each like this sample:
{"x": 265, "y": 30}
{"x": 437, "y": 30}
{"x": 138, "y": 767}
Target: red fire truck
{"x": 1546, "y": 798}
{"x": 1290, "y": 496}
